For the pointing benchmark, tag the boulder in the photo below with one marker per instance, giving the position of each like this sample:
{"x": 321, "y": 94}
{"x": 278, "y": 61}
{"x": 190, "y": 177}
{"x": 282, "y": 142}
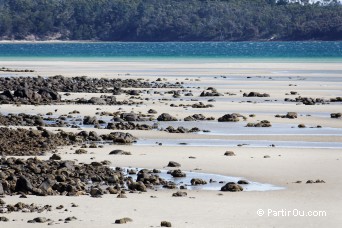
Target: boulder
{"x": 291, "y": 115}
{"x": 49, "y": 94}
{"x": 178, "y": 173}
{"x": 173, "y": 164}
{"x": 97, "y": 101}
{"x": 231, "y": 187}
{"x": 197, "y": 181}
{"x": 55, "y": 157}
{"x": 166, "y": 117}
{"x": 23, "y": 185}
{"x": 234, "y": 117}
{"x": 40, "y": 220}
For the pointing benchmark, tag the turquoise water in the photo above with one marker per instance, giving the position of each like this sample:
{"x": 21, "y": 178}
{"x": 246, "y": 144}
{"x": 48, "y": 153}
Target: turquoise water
{"x": 141, "y": 50}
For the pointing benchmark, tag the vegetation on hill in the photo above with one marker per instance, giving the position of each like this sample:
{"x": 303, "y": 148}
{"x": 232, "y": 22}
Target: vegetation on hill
{"x": 170, "y": 20}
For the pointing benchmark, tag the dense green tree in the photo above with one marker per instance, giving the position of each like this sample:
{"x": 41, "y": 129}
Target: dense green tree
{"x": 171, "y": 20}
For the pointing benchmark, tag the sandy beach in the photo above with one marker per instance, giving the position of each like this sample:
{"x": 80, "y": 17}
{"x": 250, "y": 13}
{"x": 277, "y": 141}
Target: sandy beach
{"x": 294, "y": 154}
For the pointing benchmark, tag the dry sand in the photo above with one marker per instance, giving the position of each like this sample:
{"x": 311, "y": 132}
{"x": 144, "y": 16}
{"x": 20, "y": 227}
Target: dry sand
{"x": 209, "y": 208}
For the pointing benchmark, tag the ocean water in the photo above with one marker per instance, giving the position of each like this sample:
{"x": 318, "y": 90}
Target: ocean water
{"x": 146, "y": 50}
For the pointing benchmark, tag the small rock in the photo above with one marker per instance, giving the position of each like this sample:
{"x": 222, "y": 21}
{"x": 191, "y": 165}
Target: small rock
{"x": 229, "y": 153}
{"x": 123, "y": 220}
{"x": 165, "y": 224}
{"x": 179, "y": 194}
{"x": 173, "y": 164}
{"x": 243, "y": 182}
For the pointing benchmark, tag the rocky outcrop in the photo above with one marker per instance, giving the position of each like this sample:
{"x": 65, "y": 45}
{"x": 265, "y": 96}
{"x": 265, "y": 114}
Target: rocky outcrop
{"x": 80, "y": 84}
{"x": 18, "y": 142}
{"x": 24, "y": 95}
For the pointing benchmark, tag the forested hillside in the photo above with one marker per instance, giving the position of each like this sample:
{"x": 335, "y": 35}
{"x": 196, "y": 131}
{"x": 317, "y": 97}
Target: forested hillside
{"x": 169, "y": 20}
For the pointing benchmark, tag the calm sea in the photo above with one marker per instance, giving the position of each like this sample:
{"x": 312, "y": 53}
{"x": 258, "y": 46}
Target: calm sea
{"x": 103, "y": 51}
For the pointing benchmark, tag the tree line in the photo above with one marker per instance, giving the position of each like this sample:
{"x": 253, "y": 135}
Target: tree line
{"x": 170, "y": 20}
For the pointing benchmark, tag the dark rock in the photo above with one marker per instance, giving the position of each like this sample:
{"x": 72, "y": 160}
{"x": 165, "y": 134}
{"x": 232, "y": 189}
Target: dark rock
{"x": 263, "y": 123}
{"x": 137, "y": 186}
{"x": 88, "y": 120}
{"x": 256, "y": 94}
{"x": 97, "y": 101}
{"x": 243, "y": 182}
{"x": 173, "y": 164}
{"x": 197, "y": 181}
{"x": 96, "y": 192}
{"x": 3, "y": 219}
{"x": 55, "y": 157}
{"x": 178, "y": 173}
{"x": 291, "y": 115}
{"x": 120, "y": 152}
{"x": 40, "y": 220}
{"x": 165, "y": 224}
{"x": 123, "y": 220}
{"x": 152, "y": 111}
{"x": 234, "y": 117}
{"x": 166, "y": 117}
{"x": 23, "y": 185}
{"x": 229, "y": 153}
{"x": 336, "y": 115}
{"x": 179, "y": 194}
{"x": 231, "y": 187}
{"x": 81, "y": 151}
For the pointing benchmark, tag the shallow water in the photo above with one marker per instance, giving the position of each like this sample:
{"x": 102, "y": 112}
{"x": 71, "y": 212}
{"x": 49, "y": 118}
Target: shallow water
{"x": 214, "y": 186}
{"x": 238, "y": 128}
{"x": 235, "y": 143}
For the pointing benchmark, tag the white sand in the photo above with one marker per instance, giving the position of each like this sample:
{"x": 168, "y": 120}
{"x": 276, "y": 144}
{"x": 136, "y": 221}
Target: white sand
{"x": 207, "y": 208}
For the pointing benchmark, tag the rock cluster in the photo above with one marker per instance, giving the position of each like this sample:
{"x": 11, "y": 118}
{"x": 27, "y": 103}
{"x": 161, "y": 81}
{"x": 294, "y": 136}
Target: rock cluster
{"x": 289, "y": 115}
{"x": 128, "y": 126}
{"x": 51, "y": 177}
{"x": 24, "y": 95}
{"x": 313, "y": 101}
{"x": 171, "y": 129}
{"x": 21, "y": 119}
{"x": 18, "y": 142}
{"x": 234, "y": 117}
{"x": 256, "y": 94}
{"x": 210, "y": 92}
{"x": 197, "y": 117}
{"x": 81, "y": 84}
{"x": 263, "y": 123}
